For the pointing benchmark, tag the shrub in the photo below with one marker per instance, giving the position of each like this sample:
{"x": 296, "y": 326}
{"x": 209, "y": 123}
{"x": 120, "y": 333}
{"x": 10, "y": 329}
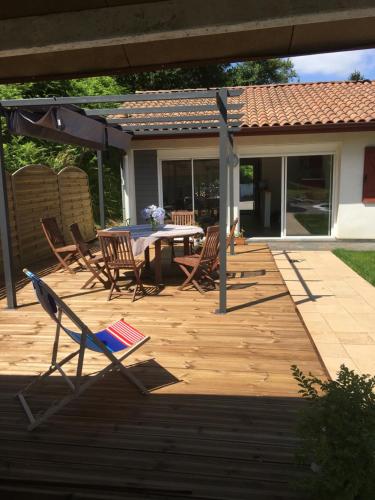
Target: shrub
{"x": 337, "y": 428}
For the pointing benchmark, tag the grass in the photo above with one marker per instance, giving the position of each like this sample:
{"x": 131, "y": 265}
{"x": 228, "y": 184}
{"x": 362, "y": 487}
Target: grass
{"x": 362, "y": 262}
{"x": 316, "y": 224}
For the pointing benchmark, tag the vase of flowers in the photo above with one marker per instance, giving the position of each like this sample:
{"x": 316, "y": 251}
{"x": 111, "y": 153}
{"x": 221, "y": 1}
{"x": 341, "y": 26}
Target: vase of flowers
{"x": 154, "y": 215}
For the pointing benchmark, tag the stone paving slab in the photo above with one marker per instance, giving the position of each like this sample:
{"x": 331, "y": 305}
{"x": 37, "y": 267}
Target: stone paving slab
{"x": 336, "y": 304}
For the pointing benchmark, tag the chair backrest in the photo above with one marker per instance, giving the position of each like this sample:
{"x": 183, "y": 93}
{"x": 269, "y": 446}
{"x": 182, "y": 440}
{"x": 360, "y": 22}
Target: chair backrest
{"x": 81, "y": 244}
{"x": 210, "y": 248}
{"x": 116, "y": 248}
{"x": 183, "y": 218}
{"x": 52, "y": 232}
{"x": 231, "y": 232}
{"x": 51, "y": 302}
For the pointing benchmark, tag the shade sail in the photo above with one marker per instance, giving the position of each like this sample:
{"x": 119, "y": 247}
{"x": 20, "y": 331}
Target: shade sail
{"x": 66, "y": 126}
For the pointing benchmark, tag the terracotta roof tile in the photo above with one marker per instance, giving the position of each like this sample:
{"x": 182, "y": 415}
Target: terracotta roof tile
{"x": 296, "y": 104}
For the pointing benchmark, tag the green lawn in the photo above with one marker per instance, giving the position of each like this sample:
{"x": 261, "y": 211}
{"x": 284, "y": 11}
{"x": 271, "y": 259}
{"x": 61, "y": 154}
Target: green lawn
{"x": 362, "y": 262}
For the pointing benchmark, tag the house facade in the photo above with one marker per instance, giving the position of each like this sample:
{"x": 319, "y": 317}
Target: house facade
{"x": 306, "y": 165}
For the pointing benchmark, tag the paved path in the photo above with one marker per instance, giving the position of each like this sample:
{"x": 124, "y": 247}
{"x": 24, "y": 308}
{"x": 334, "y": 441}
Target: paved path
{"x": 336, "y": 304}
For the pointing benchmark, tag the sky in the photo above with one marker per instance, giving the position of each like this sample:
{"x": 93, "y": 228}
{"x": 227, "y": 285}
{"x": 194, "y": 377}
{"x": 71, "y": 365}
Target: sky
{"x": 335, "y": 66}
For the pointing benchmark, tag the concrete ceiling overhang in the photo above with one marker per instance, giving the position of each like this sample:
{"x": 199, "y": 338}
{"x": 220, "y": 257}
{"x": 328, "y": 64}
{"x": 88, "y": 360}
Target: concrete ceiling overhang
{"x": 40, "y": 40}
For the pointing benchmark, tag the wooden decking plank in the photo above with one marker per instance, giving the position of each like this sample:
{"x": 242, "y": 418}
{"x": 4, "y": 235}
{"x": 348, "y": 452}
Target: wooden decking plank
{"x": 223, "y": 429}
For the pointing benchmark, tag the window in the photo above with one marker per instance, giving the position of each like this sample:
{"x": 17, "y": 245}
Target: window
{"x": 368, "y": 195}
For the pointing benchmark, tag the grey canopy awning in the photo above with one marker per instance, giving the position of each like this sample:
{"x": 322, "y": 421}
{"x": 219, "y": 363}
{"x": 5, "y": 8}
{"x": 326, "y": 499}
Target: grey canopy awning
{"x": 66, "y": 126}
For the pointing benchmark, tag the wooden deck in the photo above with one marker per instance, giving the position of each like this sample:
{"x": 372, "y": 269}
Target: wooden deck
{"x": 219, "y": 423}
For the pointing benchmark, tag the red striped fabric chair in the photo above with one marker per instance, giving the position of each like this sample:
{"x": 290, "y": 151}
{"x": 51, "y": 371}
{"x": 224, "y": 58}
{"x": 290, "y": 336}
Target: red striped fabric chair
{"x": 120, "y": 336}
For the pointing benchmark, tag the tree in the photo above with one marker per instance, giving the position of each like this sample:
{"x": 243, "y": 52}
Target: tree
{"x": 356, "y": 76}
{"x": 177, "y": 78}
{"x": 262, "y": 72}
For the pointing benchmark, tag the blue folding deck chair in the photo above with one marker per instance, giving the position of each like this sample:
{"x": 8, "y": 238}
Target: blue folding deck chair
{"x": 113, "y": 339}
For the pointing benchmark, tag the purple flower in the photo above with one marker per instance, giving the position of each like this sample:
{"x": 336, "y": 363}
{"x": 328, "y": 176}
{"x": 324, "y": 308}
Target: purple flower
{"x": 155, "y": 213}
{"x": 158, "y": 215}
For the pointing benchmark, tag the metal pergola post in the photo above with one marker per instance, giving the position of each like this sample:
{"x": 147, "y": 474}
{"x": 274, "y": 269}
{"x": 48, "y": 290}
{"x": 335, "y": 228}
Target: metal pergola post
{"x": 222, "y": 98}
{"x": 99, "y": 156}
{"x": 6, "y": 242}
{"x": 231, "y": 188}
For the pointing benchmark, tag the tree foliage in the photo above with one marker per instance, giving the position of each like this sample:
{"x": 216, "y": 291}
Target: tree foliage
{"x": 356, "y": 76}
{"x": 20, "y": 151}
{"x": 262, "y": 72}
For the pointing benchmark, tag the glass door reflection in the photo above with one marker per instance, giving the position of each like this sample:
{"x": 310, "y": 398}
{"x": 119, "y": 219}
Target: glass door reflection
{"x": 309, "y": 195}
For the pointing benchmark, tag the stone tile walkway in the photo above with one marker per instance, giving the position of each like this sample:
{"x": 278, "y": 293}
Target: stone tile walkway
{"x": 336, "y": 304}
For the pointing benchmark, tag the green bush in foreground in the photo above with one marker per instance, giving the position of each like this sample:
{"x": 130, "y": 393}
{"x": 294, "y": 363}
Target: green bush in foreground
{"x": 337, "y": 429}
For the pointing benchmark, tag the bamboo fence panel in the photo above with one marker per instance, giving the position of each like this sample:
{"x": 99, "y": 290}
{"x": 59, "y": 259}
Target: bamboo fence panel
{"x": 36, "y": 195}
{"x": 13, "y": 226}
{"x": 75, "y": 202}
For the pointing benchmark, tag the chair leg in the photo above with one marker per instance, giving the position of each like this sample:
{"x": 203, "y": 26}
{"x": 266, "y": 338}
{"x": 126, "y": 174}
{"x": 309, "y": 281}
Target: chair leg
{"x": 95, "y": 275}
{"x": 63, "y": 262}
{"x": 138, "y": 284}
{"x": 190, "y": 275}
{"x": 113, "y": 283}
{"x": 173, "y": 253}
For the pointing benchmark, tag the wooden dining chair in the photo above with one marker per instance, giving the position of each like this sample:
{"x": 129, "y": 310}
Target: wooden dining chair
{"x": 92, "y": 262}
{"x": 181, "y": 218}
{"x": 65, "y": 254}
{"x": 198, "y": 267}
{"x": 118, "y": 255}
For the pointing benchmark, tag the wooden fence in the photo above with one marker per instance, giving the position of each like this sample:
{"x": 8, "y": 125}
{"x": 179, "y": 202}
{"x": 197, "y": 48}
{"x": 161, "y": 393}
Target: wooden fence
{"x": 36, "y": 191}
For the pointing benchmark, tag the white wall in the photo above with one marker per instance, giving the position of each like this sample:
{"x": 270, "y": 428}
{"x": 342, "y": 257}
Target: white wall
{"x": 355, "y": 219}
{"x": 352, "y": 219}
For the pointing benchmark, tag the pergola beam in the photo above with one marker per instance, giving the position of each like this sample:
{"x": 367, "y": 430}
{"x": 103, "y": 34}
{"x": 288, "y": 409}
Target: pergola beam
{"x": 141, "y": 97}
{"x": 172, "y": 119}
{"x": 196, "y": 131}
{"x": 178, "y": 126}
{"x": 159, "y": 109}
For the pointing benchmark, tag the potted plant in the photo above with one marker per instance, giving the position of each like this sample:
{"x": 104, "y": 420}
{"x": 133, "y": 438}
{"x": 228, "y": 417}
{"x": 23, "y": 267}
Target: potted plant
{"x": 337, "y": 430}
{"x": 239, "y": 238}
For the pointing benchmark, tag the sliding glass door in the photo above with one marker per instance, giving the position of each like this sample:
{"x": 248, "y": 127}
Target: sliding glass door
{"x": 309, "y": 195}
{"x": 260, "y": 196}
{"x": 206, "y": 191}
{"x": 279, "y": 196}
{"x": 192, "y": 185}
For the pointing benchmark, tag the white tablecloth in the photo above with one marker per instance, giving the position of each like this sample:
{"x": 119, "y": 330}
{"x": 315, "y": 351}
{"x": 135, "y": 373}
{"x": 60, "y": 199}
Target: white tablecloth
{"x": 143, "y": 236}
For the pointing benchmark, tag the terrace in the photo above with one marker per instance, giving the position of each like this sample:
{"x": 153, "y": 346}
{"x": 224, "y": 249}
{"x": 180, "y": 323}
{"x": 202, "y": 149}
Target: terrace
{"x": 219, "y": 422}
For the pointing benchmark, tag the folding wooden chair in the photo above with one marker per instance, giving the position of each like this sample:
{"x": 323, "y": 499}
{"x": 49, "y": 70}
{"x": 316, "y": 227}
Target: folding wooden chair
{"x": 115, "y": 338}
{"x": 118, "y": 255}
{"x": 65, "y": 254}
{"x": 199, "y": 266}
{"x": 93, "y": 263}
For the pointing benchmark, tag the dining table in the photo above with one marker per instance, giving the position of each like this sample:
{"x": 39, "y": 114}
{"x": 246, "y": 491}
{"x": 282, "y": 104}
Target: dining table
{"x": 144, "y": 235}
